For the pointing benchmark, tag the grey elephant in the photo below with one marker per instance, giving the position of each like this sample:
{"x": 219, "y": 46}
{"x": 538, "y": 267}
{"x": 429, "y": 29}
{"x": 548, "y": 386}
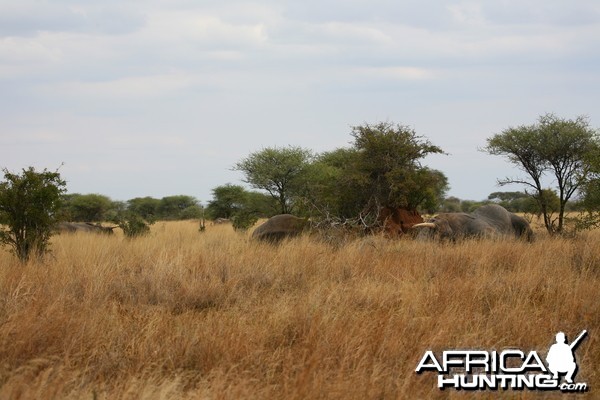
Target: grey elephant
{"x": 487, "y": 221}
{"x": 279, "y": 227}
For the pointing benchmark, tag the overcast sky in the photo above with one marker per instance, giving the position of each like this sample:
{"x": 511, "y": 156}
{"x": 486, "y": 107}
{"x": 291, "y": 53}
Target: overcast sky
{"x": 163, "y": 97}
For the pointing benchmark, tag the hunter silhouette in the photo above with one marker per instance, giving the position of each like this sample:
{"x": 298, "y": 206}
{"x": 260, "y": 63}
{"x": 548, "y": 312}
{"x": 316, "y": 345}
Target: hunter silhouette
{"x": 560, "y": 357}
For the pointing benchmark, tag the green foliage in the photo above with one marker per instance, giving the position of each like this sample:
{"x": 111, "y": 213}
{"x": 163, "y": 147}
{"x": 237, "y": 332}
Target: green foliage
{"x": 588, "y": 220}
{"x": 87, "y": 207}
{"x": 260, "y": 204}
{"x": 381, "y": 169}
{"x": 243, "y": 220}
{"x": 243, "y": 207}
{"x": 29, "y": 205}
{"x": 591, "y": 196}
{"x": 531, "y": 204}
{"x": 389, "y": 160}
{"x": 146, "y": 207}
{"x": 116, "y": 208}
{"x": 553, "y": 146}
{"x": 278, "y": 171}
{"x": 133, "y": 225}
{"x": 227, "y": 200}
{"x": 426, "y": 190}
{"x": 336, "y": 186}
{"x": 191, "y": 212}
{"x": 172, "y": 207}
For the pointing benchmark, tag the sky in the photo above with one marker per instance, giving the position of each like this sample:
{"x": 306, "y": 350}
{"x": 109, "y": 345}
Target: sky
{"x": 132, "y": 98}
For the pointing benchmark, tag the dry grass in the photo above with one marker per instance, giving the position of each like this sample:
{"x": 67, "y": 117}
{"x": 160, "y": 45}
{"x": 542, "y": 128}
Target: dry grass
{"x": 183, "y": 314}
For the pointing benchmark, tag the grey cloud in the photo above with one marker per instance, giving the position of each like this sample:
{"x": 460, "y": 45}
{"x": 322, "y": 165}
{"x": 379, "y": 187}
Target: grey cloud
{"x": 427, "y": 14}
{"x": 550, "y": 12}
{"x": 230, "y": 74}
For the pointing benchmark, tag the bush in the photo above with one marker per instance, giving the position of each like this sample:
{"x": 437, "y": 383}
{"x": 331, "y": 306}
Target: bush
{"x": 133, "y": 225}
{"x": 29, "y": 205}
{"x": 242, "y": 221}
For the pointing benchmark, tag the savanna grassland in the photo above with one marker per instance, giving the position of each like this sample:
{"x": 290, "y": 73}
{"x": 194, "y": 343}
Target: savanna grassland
{"x": 184, "y": 314}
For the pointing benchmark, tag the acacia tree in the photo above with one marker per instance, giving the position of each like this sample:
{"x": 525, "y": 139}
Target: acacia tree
{"x": 553, "y": 146}
{"x": 382, "y": 168}
{"x": 29, "y": 205}
{"x": 390, "y": 162}
{"x": 278, "y": 171}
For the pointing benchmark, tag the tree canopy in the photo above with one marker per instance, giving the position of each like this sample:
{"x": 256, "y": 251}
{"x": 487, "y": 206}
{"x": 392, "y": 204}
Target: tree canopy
{"x": 553, "y": 147}
{"x": 382, "y": 169}
{"x": 145, "y": 207}
{"x": 390, "y": 158}
{"x": 278, "y": 171}
{"x": 86, "y": 207}
{"x": 227, "y": 201}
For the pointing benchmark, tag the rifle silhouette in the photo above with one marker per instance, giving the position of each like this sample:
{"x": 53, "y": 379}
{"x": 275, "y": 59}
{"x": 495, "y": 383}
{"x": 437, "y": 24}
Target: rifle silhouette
{"x": 575, "y": 342}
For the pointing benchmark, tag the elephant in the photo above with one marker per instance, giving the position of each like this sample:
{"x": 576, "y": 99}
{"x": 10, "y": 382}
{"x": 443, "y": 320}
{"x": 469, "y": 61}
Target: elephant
{"x": 72, "y": 227}
{"x": 279, "y": 227}
{"x": 490, "y": 220}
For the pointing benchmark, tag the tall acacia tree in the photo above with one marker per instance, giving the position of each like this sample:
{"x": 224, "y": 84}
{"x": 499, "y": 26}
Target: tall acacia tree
{"x": 553, "y": 146}
{"x": 278, "y": 171}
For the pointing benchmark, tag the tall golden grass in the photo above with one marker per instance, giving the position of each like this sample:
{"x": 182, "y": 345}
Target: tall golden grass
{"x": 184, "y": 314}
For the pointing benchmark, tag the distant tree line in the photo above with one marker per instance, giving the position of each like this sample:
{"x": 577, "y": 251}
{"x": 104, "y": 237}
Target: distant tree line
{"x": 559, "y": 158}
{"x": 98, "y": 207}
